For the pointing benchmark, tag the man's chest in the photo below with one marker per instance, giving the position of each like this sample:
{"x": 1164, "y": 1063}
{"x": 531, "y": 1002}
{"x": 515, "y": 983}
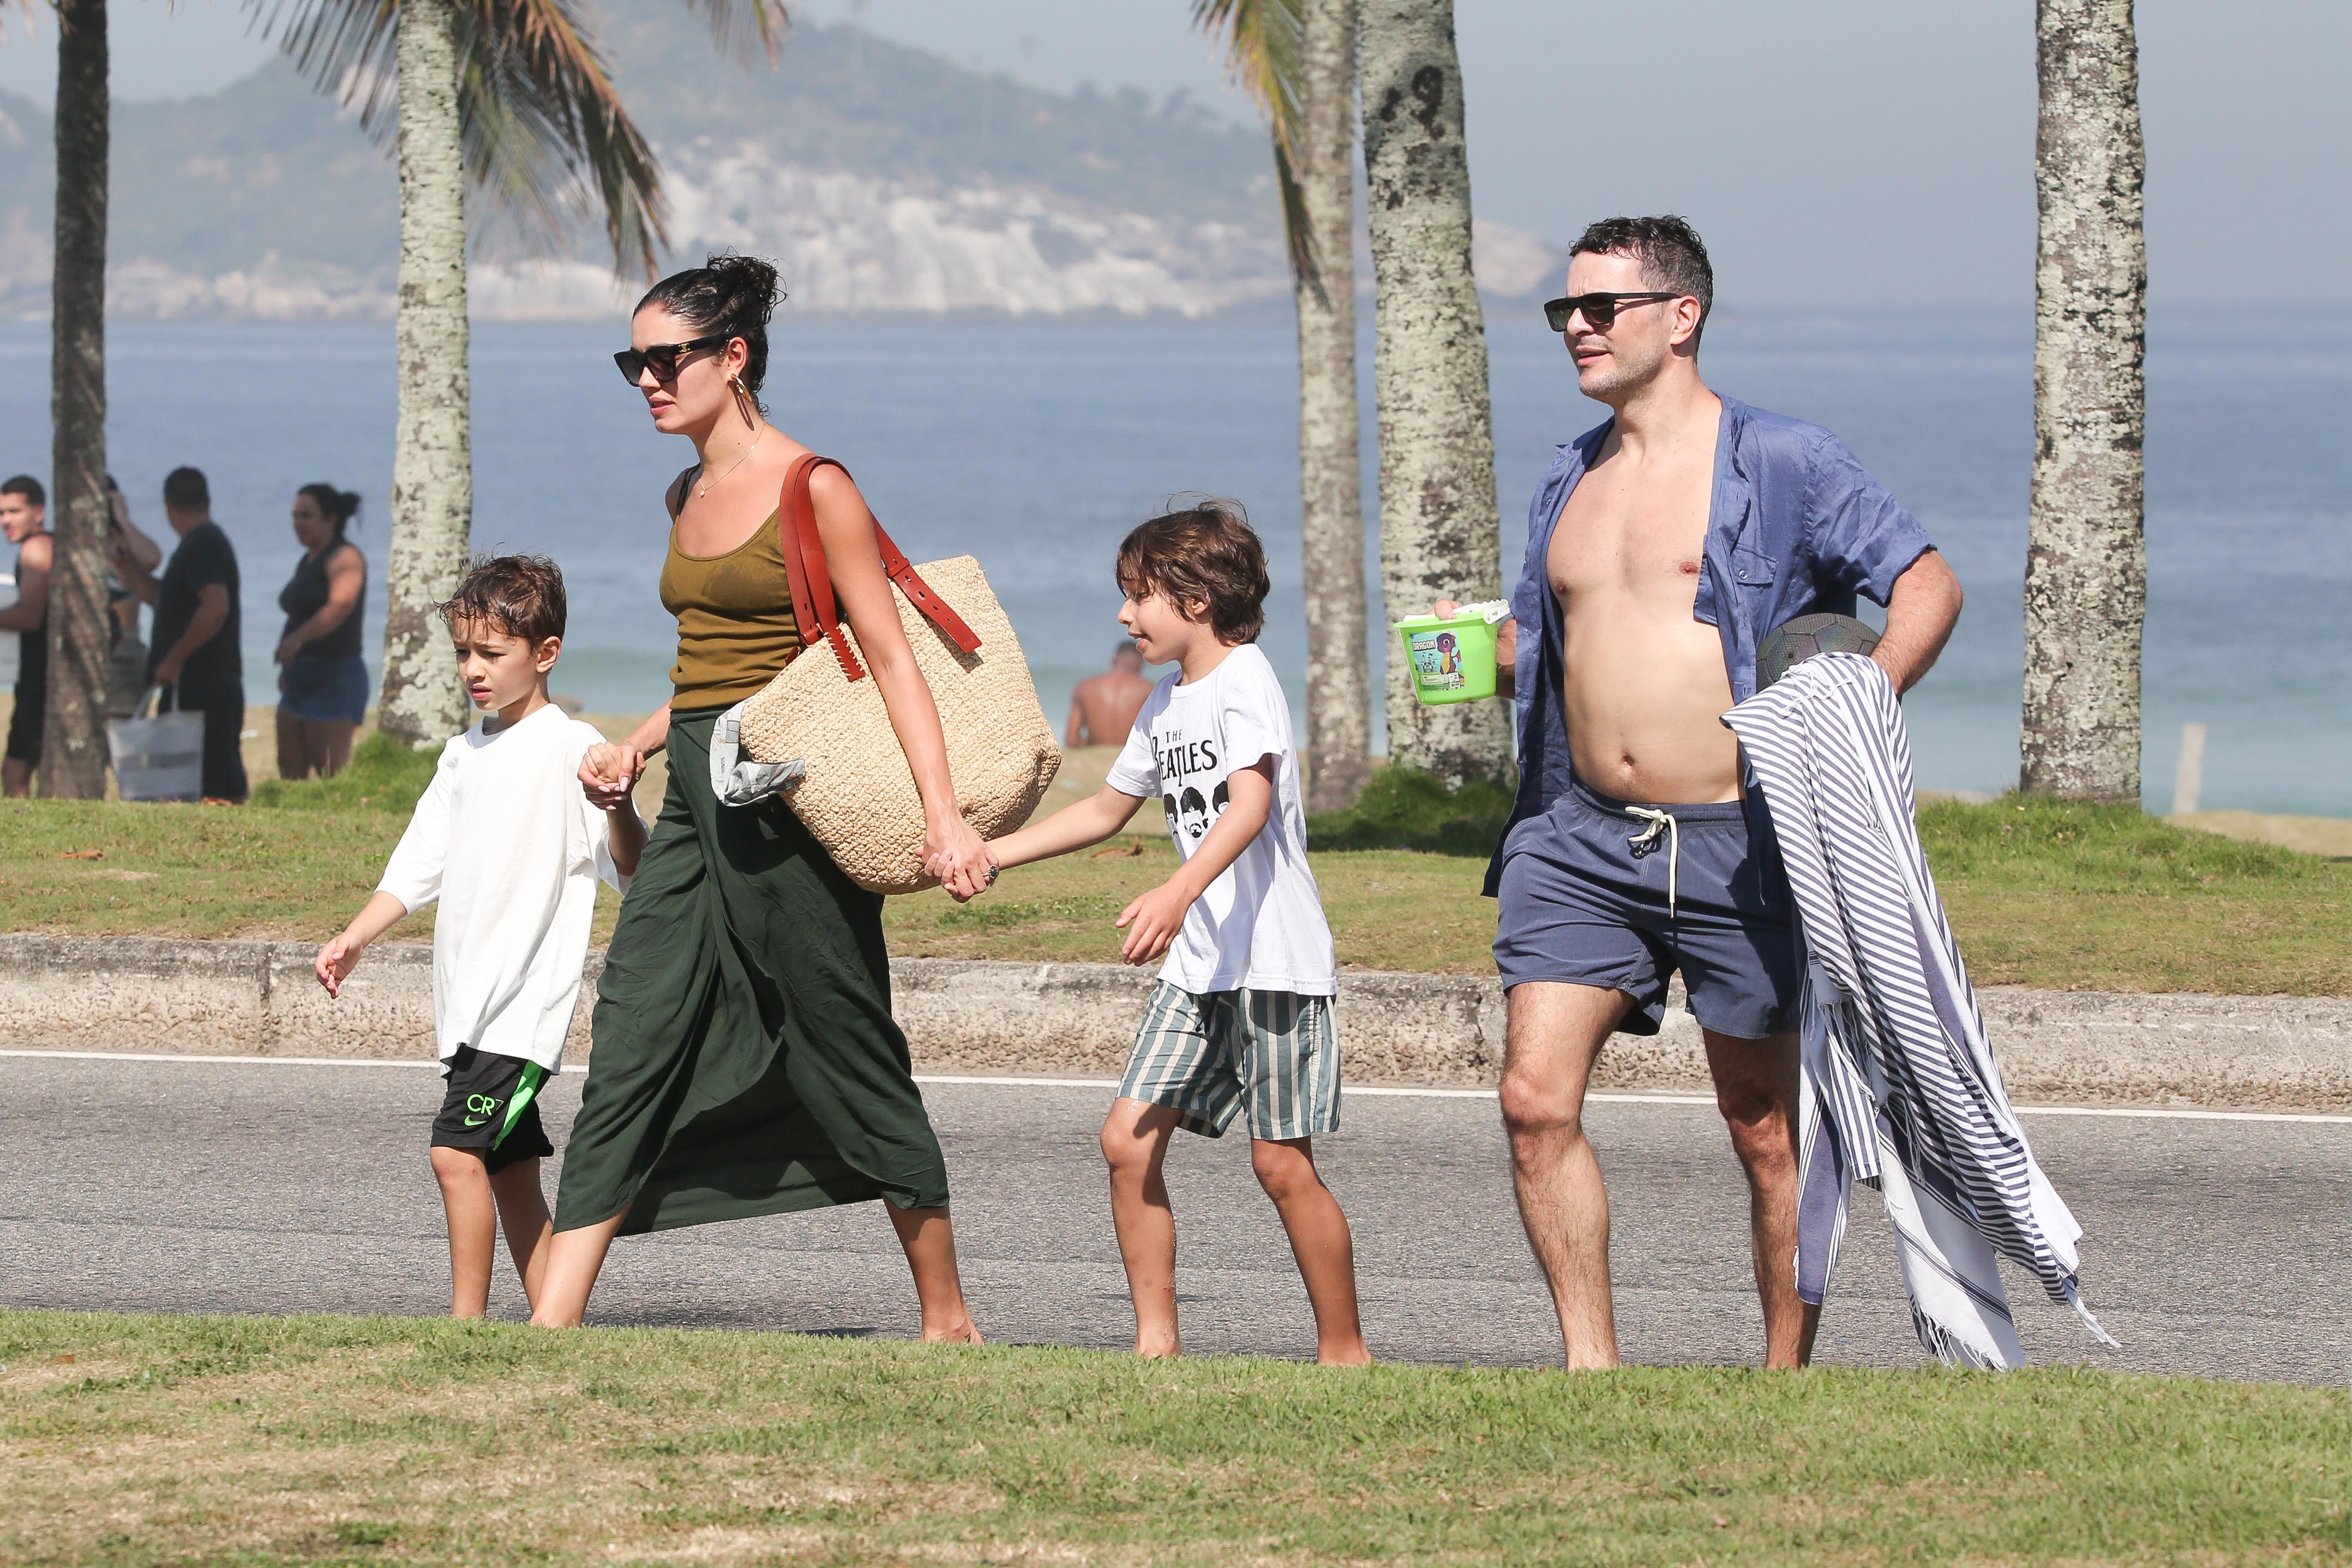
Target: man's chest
{"x": 1626, "y": 532}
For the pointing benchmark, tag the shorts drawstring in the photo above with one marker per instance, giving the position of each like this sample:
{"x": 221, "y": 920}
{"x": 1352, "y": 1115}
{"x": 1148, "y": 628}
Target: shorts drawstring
{"x": 1660, "y": 822}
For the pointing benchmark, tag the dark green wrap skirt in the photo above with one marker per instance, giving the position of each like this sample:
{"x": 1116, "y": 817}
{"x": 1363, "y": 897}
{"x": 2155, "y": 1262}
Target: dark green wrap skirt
{"x": 745, "y": 1059}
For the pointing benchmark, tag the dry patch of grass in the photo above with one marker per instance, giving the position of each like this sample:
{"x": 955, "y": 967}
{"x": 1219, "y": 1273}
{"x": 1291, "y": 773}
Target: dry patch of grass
{"x": 371, "y": 1441}
{"x": 2328, "y": 836}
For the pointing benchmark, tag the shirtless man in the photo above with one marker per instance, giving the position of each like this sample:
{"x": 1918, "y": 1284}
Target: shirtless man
{"x": 1103, "y": 707}
{"x": 1663, "y": 547}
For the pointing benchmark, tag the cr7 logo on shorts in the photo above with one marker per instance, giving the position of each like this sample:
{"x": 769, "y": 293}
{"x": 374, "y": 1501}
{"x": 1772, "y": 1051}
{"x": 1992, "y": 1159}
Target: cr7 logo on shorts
{"x": 480, "y": 1108}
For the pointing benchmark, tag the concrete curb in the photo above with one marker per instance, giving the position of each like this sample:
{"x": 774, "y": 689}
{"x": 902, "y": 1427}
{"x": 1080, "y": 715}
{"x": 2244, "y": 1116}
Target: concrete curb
{"x": 1078, "y": 1019}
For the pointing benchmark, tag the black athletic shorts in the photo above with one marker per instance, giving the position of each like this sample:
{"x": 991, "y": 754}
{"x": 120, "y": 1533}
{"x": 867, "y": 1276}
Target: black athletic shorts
{"x": 492, "y": 1108}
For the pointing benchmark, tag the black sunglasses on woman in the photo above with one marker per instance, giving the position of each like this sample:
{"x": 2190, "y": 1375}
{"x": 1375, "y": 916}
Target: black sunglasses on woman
{"x": 662, "y": 357}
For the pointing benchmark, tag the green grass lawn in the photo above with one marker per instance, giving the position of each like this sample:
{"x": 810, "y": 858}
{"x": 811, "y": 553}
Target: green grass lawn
{"x": 136, "y": 1440}
{"x": 2071, "y": 897}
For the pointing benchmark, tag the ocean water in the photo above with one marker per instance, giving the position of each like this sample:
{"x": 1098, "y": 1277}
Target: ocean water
{"x": 1035, "y": 446}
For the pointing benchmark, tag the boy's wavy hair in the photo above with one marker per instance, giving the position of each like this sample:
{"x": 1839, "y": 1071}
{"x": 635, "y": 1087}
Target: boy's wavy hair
{"x": 515, "y": 595}
{"x": 1206, "y": 552}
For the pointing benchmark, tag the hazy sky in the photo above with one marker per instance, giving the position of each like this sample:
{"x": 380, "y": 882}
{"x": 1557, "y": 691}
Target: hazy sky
{"x": 1839, "y": 151}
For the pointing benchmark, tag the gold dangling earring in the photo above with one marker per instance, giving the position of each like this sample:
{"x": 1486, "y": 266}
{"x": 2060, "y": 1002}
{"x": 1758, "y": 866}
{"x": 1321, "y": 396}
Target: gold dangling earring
{"x": 744, "y": 404}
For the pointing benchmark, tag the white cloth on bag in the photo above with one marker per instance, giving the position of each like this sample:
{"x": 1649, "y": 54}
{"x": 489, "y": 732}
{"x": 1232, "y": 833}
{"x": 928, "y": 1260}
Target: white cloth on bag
{"x": 1899, "y": 1085}
{"x": 1260, "y": 925}
{"x": 505, "y": 840}
{"x": 733, "y": 780}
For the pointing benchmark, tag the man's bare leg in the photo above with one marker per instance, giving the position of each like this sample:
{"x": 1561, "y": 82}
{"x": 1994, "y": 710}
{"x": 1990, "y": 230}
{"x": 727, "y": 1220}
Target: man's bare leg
{"x": 1555, "y": 1030}
{"x": 473, "y": 1228}
{"x": 1319, "y": 1235}
{"x": 574, "y": 1257}
{"x": 930, "y": 1242}
{"x": 523, "y": 1214}
{"x": 1756, "y": 1089}
{"x": 1135, "y": 1138}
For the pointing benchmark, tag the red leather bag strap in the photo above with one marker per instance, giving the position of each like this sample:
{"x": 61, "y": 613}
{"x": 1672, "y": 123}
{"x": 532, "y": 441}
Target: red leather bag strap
{"x": 814, "y": 604}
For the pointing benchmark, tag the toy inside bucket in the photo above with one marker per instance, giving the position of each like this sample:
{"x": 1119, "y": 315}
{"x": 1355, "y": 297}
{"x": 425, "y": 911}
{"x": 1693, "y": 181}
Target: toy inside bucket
{"x": 1452, "y": 657}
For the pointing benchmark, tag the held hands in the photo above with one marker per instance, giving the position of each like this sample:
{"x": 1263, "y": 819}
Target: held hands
{"x": 609, "y": 772}
{"x": 287, "y": 649}
{"x": 954, "y": 852}
{"x": 336, "y": 961}
{"x": 1151, "y": 923}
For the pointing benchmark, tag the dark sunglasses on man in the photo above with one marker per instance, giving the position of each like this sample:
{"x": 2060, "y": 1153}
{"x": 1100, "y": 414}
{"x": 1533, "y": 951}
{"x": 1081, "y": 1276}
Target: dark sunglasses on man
{"x": 662, "y": 357}
{"x": 1600, "y": 310}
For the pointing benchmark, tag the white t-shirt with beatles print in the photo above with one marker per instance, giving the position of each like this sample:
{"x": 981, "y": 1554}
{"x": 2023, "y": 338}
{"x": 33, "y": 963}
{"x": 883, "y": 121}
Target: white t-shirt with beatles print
{"x": 1260, "y": 924}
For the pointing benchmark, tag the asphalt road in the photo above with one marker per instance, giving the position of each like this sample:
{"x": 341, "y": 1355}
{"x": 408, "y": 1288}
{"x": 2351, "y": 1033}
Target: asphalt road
{"x": 2213, "y": 1246}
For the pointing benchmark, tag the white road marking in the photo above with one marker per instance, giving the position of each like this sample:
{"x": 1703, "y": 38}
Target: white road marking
{"x": 2151, "y": 1112}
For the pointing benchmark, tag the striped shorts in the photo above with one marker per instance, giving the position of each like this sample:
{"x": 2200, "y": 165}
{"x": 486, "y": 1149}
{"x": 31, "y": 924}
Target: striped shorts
{"x": 1206, "y": 1056}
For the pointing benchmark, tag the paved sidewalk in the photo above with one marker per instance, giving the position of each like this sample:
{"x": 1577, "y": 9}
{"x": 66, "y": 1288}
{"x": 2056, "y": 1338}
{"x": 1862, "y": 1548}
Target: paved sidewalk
{"x": 2215, "y": 1246}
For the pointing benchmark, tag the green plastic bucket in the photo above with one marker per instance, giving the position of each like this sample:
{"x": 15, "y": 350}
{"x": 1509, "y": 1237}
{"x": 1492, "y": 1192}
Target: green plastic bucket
{"x": 1452, "y": 658}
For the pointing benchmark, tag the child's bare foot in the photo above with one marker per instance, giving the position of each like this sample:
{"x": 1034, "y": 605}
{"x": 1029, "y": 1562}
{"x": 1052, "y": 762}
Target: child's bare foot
{"x": 1158, "y": 1349}
{"x": 1356, "y": 1354}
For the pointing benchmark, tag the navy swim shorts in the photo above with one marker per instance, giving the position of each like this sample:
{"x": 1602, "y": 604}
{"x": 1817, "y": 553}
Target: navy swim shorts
{"x": 1597, "y": 892}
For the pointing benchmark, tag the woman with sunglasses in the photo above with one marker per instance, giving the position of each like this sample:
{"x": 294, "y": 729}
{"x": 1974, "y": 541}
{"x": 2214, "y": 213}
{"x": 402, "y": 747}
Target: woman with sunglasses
{"x": 745, "y": 1061}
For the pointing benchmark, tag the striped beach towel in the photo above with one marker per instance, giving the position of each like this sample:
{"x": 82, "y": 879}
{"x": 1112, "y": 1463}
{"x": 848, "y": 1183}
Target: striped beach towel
{"x": 1900, "y": 1088}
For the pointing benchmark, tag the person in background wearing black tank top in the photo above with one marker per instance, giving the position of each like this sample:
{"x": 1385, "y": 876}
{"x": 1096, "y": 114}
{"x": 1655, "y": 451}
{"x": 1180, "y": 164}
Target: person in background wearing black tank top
{"x": 323, "y": 683}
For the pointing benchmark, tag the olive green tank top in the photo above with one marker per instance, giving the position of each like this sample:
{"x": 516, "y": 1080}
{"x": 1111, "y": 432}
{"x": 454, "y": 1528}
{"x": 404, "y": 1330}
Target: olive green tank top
{"x": 735, "y": 623}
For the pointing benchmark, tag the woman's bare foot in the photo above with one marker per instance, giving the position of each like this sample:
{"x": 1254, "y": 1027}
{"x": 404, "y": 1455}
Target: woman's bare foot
{"x": 1344, "y": 1355}
{"x": 962, "y": 1331}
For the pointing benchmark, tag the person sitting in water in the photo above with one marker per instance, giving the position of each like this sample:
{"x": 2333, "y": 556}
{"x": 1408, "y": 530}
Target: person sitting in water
{"x": 1103, "y": 707}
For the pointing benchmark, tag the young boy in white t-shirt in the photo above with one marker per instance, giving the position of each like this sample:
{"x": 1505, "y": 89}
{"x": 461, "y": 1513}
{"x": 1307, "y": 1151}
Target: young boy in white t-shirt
{"x": 506, "y": 840}
{"x": 1242, "y": 1017}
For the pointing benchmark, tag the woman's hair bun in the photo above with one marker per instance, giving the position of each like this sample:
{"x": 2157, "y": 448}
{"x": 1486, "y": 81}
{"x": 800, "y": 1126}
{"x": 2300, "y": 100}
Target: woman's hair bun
{"x": 728, "y": 293}
{"x": 338, "y": 507}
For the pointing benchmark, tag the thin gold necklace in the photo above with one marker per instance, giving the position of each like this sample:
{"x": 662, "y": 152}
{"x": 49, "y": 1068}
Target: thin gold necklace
{"x": 704, "y": 488}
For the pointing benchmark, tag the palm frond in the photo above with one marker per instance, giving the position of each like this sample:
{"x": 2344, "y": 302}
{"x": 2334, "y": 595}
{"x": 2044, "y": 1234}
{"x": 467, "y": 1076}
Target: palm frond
{"x": 546, "y": 133}
{"x": 1261, "y": 43}
{"x": 768, "y": 22}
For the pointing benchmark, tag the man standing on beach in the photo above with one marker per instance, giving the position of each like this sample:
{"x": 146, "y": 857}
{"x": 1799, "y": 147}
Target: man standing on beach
{"x": 196, "y": 655}
{"x": 1103, "y": 707}
{"x": 1663, "y": 547}
{"x": 24, "y": 512}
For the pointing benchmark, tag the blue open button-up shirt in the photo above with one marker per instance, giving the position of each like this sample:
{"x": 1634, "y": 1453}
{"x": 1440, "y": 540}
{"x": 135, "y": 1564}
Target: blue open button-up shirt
{"x": 1797, "y": 526}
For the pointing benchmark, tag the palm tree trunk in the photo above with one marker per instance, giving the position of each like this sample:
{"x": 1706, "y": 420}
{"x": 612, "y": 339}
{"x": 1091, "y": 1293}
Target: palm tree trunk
{"x": 1440, "y": 536}
{"x": 432, "y": 465}
{"x": 2086, "y": 561}
{"x": 73, "y": 736}
{"x": 1330, "y": 460}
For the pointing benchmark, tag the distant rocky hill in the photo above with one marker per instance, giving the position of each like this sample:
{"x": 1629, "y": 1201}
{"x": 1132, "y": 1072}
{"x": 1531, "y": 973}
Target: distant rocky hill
{"x": 884, "y": 179}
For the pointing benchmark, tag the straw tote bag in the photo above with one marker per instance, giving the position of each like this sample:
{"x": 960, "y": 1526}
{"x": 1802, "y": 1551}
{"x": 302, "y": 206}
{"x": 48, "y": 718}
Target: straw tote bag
{"x": 857, "y": 796}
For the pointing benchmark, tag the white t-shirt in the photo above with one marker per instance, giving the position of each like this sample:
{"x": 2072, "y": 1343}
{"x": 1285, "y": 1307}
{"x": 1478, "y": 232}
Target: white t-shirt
{"x": 504, "y": 837}
{"x": 1260, "y": 924}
